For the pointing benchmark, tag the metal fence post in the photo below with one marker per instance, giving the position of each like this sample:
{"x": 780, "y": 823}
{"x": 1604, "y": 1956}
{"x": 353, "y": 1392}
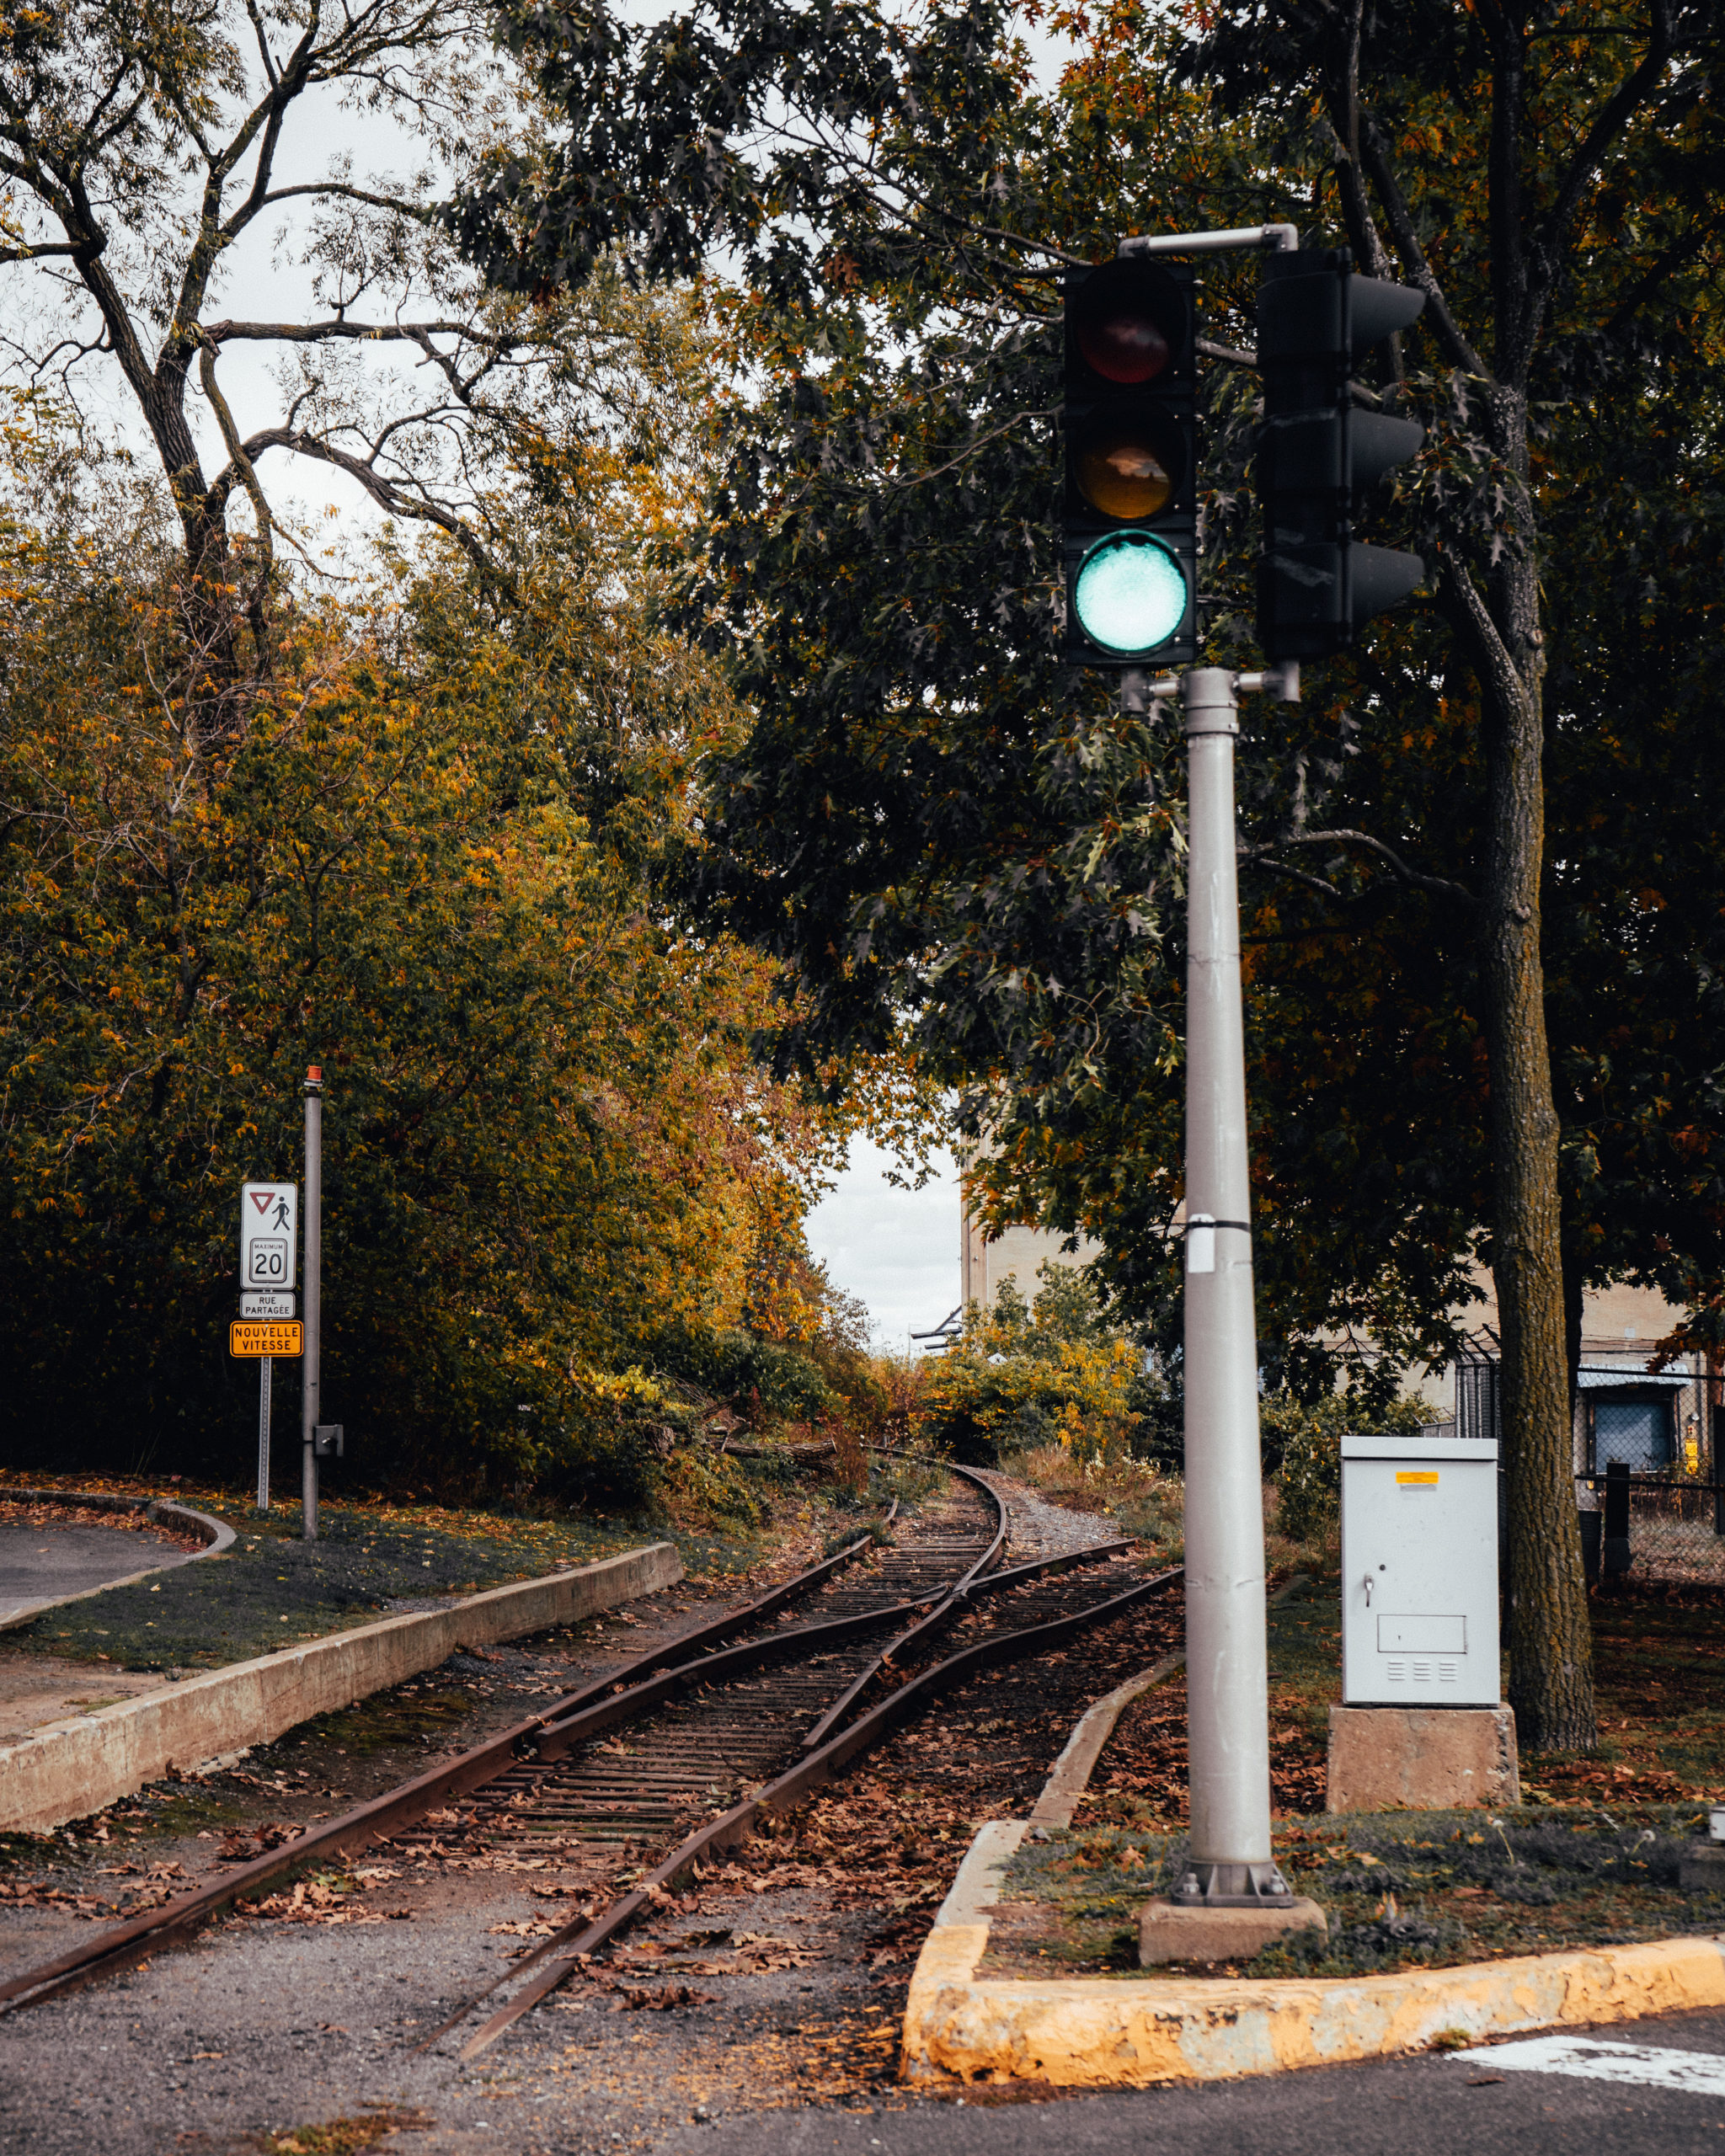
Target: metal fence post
{"x": 1615, "y": 1536}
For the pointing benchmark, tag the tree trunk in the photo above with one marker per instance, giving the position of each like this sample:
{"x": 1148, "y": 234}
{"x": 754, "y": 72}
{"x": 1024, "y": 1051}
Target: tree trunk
{"x": 1549, "y": 1637}
{"x": 212, "y": 662}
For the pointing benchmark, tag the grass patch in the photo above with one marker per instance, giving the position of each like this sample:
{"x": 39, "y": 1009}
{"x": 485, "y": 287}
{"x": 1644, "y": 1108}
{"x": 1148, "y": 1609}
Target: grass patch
{"x": 1399, "y": 1890}
{"x": 272, "y": 1589}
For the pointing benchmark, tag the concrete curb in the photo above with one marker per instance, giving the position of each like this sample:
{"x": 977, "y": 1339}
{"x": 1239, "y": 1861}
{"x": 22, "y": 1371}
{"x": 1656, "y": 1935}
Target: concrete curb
{"x": 1127, "y": 2033}
{"x": 72, "y": 1767}
{"x": 1070, "y": 1775}
{"x": 217, "y": 1535}
{"x": 1098, "y": 2033}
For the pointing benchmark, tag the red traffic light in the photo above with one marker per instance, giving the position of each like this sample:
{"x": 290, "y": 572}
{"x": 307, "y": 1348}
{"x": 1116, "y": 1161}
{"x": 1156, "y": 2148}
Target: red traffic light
{"x": 1129, "y": 323}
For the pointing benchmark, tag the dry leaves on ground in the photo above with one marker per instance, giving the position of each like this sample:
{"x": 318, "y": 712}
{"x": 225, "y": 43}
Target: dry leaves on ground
{"x": 28, "y": 1894}
{"x": 346, "y": 2137}
{"x": 321, "y": 1901}
{"x": 12, "y": 1513}
{"x": 245, "y": 1842}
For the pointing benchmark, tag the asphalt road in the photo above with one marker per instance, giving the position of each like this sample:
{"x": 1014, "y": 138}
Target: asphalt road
{"x": 1484, "y": 2102}
{"x": 38, "y": 1563}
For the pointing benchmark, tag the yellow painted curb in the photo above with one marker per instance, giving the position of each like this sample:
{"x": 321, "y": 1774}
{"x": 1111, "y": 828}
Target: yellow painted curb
{"x": 1125, "y": 2033}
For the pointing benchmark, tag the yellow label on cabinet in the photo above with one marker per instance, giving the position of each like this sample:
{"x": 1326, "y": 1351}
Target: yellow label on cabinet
{"x": 1417, "y": 1476}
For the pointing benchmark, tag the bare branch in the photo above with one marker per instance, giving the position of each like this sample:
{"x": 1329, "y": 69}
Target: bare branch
{"x": 1345, "y": 836}
{"x": 271, "y": 74}
{"x": 1312, "y": 883}
{"x": 1608, "y": 124}
{"x": 1485, "y": 649}
{"x": 334, "y": 190}
{"x": 242, "y": 462}
{"x": 338, "y": 329}
{"x": 395, "y": 500}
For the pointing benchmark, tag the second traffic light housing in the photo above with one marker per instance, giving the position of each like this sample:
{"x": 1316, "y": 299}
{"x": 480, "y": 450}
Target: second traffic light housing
{"x": 1132, "y": 456}
{"x": 1318, "y": 454}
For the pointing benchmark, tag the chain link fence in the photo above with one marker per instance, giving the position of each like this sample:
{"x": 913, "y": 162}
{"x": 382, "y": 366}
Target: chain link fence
{"x": 1676, "y": 1528}
{"x": 1659, "y": 1426}
{"x": 1665, "y": 1428}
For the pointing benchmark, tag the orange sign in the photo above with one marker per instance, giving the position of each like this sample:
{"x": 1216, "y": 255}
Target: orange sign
{"x": 254, "y": 1338}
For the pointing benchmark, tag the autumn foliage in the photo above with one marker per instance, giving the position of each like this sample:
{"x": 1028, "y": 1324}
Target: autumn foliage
{"x": 422, "y": 856}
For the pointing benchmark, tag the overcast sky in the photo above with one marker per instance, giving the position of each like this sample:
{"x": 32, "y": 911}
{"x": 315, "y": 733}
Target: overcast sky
{"x": 898, "y": 1250}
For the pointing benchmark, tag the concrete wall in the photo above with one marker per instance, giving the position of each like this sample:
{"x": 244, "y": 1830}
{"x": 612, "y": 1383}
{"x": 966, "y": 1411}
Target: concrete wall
{"x": 76, "y": 1767}
{"x": 983, "y": 1265}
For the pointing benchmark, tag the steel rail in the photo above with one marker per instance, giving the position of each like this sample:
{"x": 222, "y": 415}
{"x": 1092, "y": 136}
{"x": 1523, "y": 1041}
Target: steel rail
{"x": 563, "y": 1950}
{"x": 992, "y": 1555}
{"x": 555, "y": 1738}
{"x": 117, "y": 1946}
{"x": 947, "y": 1613}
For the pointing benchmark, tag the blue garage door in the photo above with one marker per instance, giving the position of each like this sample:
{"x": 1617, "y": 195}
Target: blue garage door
{"x": 1637, "y": 1432}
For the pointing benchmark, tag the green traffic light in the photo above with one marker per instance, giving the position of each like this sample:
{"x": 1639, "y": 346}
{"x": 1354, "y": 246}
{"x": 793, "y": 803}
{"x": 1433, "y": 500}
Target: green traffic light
{"x": 1130, "y": 593}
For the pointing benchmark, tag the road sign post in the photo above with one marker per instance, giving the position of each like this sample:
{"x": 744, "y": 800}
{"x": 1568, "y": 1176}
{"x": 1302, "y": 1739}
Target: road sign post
{"x": 266, "y": 1365}
{"x": 269, "y": 1223}
{"x": 314, "y": 1297}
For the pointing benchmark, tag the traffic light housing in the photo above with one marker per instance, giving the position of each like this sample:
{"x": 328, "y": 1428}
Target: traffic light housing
{"x": 1130, "y": 422}
{"x": 1318, "y": 454}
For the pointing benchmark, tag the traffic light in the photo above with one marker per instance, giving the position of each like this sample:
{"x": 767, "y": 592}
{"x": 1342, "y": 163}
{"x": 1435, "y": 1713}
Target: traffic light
{"x": 1318, "y": 454}
{"x": 1131, "y": 432}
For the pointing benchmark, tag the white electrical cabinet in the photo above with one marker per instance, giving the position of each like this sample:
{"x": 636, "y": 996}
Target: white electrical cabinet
{"x": 1419, "y": 1572}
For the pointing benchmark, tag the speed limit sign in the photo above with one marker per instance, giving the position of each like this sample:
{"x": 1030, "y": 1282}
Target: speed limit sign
{"x": 269, "y": 1219}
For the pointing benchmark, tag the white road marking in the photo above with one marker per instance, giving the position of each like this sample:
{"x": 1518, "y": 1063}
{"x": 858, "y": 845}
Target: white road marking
{"x": 1696, "y": 2073}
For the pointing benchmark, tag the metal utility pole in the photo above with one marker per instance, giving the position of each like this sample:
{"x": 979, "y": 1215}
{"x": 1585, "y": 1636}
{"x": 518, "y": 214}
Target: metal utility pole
{"x": 1229, "y": 1863}
{"x": 313, "y": 1292}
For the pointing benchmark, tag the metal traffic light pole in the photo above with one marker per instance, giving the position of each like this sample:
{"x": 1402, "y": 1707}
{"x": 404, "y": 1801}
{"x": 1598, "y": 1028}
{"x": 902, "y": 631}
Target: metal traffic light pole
{"x": 1315, "y": 463}
{"x": 1229, "y": 1862}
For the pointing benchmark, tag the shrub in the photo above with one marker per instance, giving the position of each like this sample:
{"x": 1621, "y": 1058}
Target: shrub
{"x": 773, "y": 1382}
{"x": 1302, "y": 1445}
{"x": 607, "y": 1443}
{"x": 1020, "y": 1378}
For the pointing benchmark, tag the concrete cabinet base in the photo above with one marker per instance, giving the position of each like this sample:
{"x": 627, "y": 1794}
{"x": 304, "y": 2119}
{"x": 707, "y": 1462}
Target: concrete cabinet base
{"x": 1422, "y": 1759}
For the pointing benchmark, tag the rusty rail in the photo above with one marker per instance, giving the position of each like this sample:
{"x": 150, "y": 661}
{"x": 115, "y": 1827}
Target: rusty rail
{"x": 117, "y": 1946}
{"x": 564, "y": 1950}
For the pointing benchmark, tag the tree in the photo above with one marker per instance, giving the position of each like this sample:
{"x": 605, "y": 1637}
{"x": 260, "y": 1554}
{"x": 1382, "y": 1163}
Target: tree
{"x": 151, "y": 160}
{"x": 939, "y": 832}
{"x": 1596, "y": 145}
{"x": 429, "y": 866}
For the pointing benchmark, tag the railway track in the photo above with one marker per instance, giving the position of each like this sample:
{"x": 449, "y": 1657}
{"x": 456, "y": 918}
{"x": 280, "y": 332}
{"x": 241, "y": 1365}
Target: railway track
{"x": 670, "y": 1760}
